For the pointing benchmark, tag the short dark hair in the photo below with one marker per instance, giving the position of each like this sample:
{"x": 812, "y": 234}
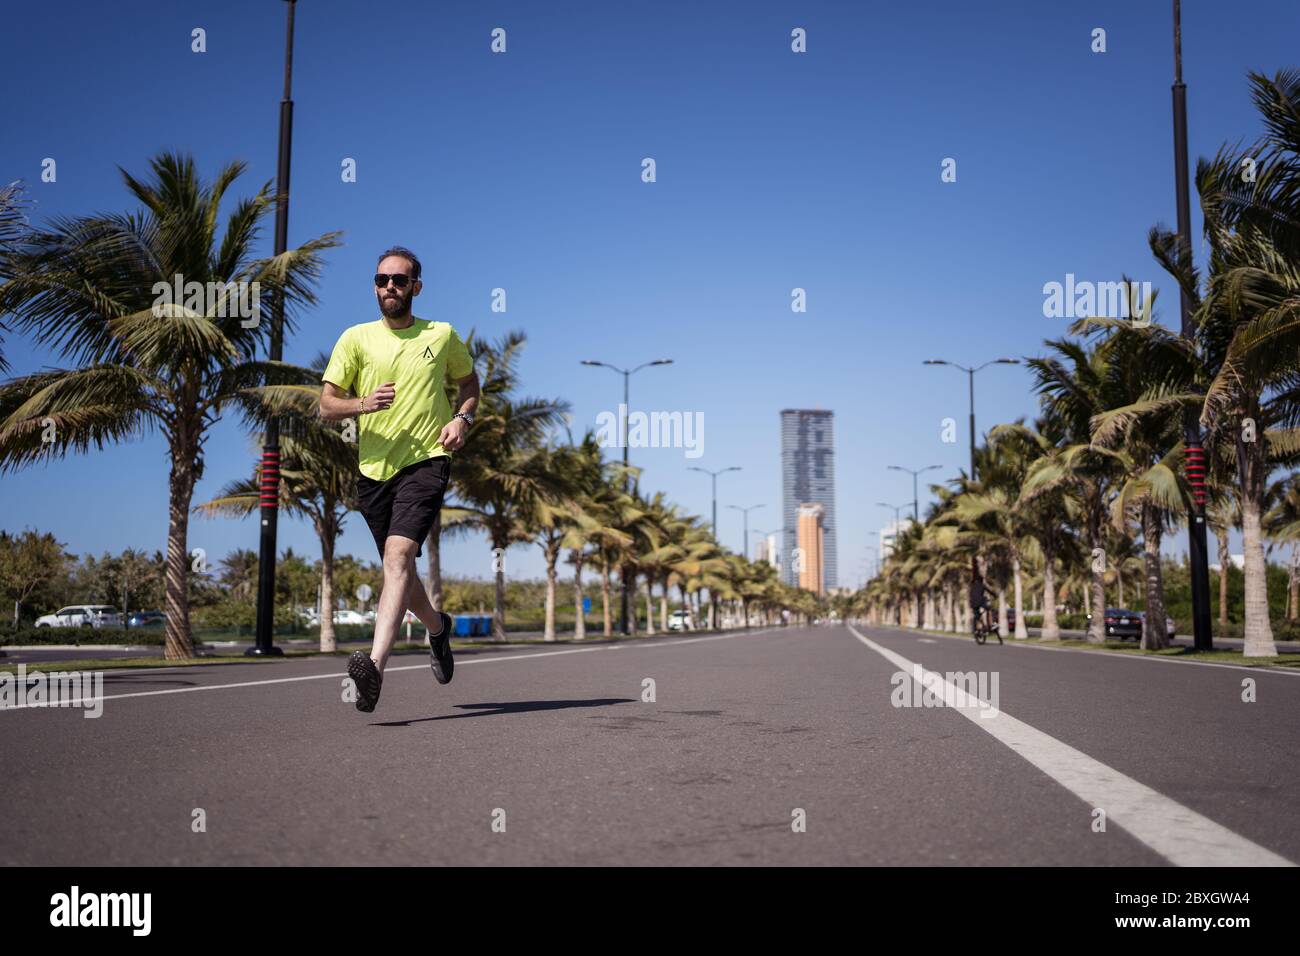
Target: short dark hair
{"x": 405, "y": 253}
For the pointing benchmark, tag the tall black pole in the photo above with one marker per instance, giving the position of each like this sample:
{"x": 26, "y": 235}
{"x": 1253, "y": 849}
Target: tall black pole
{"x": 970, "y": 373}
{"x": 1197, "y": 550}
{"x": 270, "y": 472}
{"x": 626, "y": 600}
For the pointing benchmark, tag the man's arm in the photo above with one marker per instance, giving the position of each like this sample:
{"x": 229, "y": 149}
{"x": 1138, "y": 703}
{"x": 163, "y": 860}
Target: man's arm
{"x": 453, "y": 433}
{"x": 336, "y": 404}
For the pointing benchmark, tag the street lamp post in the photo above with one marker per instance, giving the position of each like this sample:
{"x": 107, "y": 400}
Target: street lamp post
{"x": 970, "y": 372}
{"x": 622, "y": 439}
{"x": 744, "y": 547}
{"x": 269, "y": 478}
{"x": 1194, "y": 454}
{"x": 916, "y": 508}
{"x": 714, "y": 476}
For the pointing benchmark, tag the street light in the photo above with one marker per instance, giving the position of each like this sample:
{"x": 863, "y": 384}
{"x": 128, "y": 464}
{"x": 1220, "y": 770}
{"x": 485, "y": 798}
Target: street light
{"x": 744, "y": 547}
{"x": 971, "y": 374}
{"x": 622, "y": 440}
{"x": 269, "y": 473}
{"x": 897, "y": 511}
{"x": 916, "y": 509}
{"x": 1194, "y": 454}
{"x": 714, "y": 476}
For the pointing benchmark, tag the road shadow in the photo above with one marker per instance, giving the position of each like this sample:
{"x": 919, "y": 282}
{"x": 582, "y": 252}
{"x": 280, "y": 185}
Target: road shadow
{"x": 510, "y": 707}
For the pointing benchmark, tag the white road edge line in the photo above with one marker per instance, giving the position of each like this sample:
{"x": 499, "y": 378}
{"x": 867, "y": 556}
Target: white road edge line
{"x": 388, "y": 670}
{"x": 1122, "y": 655}
{"x": 1180, "y": 835}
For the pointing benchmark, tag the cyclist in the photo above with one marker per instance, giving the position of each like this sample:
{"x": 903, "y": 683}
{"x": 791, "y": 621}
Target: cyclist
{"x": 981, "y": 614}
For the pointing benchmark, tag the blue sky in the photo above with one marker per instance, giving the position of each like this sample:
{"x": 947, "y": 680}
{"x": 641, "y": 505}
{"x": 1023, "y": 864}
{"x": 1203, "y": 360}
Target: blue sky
{"x": 775, "y": 170}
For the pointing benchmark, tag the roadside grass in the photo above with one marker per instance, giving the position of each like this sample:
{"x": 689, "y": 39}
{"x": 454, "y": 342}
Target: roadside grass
{"x": 1226, "y": 656}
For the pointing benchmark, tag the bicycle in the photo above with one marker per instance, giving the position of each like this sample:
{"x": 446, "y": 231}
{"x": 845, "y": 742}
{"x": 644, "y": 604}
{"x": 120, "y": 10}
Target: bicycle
{"x": 985, "y": 624}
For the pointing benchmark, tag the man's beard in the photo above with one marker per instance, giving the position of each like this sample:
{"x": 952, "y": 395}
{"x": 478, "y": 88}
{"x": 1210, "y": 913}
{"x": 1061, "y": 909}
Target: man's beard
{"x": 398, "y": 307}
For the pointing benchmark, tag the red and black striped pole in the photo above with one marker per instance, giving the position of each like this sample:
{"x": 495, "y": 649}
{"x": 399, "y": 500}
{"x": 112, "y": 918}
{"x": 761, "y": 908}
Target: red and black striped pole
{"x": 1197, "y": 550}
{"x": 269, "y": 473}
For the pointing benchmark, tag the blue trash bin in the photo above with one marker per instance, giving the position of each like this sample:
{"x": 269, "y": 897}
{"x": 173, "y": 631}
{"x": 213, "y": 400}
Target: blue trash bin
{"x": 462, "y": 625}
{"x": 482, "y": 625}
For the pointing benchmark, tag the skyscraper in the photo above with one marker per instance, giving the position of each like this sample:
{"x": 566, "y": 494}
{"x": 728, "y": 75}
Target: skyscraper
{"x": 807, "y": 477}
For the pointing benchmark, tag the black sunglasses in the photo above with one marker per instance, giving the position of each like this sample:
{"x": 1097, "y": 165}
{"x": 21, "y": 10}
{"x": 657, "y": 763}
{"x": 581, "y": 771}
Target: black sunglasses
{"x": 399, "y": 280}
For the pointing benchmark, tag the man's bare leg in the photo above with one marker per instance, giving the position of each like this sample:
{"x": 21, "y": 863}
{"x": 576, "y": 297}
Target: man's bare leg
{"x": 418, "y": 601}
{"x": 399, "y": 574}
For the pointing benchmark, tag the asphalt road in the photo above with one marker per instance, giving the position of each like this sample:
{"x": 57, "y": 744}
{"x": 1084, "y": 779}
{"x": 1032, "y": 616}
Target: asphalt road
{"x": 745, "y": 731}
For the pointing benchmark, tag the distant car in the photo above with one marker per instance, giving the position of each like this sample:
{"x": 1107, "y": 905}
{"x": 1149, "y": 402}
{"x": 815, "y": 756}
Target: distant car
{"x": 82, "y": 615}
{"x": 370, "y": 616}
{"x": 1121, "y": 622}
{"x": 680, "y": 621}
{"x": 146, "y": 619}
{"x": 349, "y": 617}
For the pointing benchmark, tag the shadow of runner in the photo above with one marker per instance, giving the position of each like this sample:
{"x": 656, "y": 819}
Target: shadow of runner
{"x": 512, "y": 707}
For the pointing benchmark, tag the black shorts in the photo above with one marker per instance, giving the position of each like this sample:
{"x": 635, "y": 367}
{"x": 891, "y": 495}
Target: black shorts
{"x": 407, "y": 503}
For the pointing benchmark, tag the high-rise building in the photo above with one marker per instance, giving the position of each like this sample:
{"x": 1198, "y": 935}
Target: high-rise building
{"x": 765, "y": 550}
{"x": 811, "y": 566}
{"x": 808, "y": 477}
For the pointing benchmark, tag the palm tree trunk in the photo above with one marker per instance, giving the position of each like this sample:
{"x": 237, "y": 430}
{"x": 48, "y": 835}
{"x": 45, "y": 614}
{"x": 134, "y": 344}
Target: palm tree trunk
{"x": 1259, "y": 631}
{"x": 327, "y": 642}
{"x": 663, "y": 605}
{"x": 179, "y": 644}
{"x": 548, "y": 626}
{"x": 649, "y": 606}
{"x": 433, "y": 559}
{"x": 1154, "y": 633}
{"x": 579, "y": 618}
{"x": 1293, "y": 585}
{"x": 499, "y": 600}
{"x": 604, "y": 595}
{"x": 1225, "y": 558}
{"x": 1021, "y": 631}
{"x": 1097, "y": 626}
{"x": 1051, "y": 629}
{"x": 1002, "y": 612}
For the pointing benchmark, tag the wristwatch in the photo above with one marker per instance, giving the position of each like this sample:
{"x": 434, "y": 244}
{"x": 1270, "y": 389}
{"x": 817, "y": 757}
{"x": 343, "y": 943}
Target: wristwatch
{"x": 469, "y": 419}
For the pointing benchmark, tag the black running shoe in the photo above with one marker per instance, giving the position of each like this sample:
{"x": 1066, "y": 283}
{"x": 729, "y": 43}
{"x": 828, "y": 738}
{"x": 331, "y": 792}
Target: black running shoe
{"x": 440, "y": 658}
{"x": 367, "y": 679}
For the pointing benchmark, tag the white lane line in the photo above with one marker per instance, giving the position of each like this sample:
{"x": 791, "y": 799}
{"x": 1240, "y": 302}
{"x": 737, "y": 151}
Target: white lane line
{"x": 1181, "y": 835}
{"x": 1123, "y": 655}
{"x": 388, "y": 670}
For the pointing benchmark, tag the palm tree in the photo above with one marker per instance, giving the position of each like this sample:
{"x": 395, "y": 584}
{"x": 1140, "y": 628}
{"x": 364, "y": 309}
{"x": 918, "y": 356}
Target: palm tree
{"x": 1240, "y": 372}
{"x": 13, "y": 226}
{"x": 86, "y": 287}
{"x": 1075, "y": 386}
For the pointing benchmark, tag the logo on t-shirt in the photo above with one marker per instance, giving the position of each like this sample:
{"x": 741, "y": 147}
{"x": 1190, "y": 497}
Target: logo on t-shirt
{"x": 428, "y": 353}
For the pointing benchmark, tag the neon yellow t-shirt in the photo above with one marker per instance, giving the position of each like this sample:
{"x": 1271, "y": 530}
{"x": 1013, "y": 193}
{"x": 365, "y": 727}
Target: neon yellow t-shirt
{"x": 419, "y": 360}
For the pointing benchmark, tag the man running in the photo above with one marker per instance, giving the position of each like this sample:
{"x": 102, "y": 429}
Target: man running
{"x": 390, "y": 375}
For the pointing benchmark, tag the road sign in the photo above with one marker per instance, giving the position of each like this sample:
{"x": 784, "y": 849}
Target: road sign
{"x": 363, "y": 593}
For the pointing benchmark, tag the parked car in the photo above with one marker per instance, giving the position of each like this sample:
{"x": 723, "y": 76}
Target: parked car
{"x": 82, "y": 615}
{"x": 1121, "y": 622}
{"x": 146, "y": 619}
{"x": 349, "y": 617}
{"x": 680, "y": 621}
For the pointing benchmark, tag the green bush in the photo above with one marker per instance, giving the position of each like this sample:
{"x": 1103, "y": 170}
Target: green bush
{"x": 28, "y": 634}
